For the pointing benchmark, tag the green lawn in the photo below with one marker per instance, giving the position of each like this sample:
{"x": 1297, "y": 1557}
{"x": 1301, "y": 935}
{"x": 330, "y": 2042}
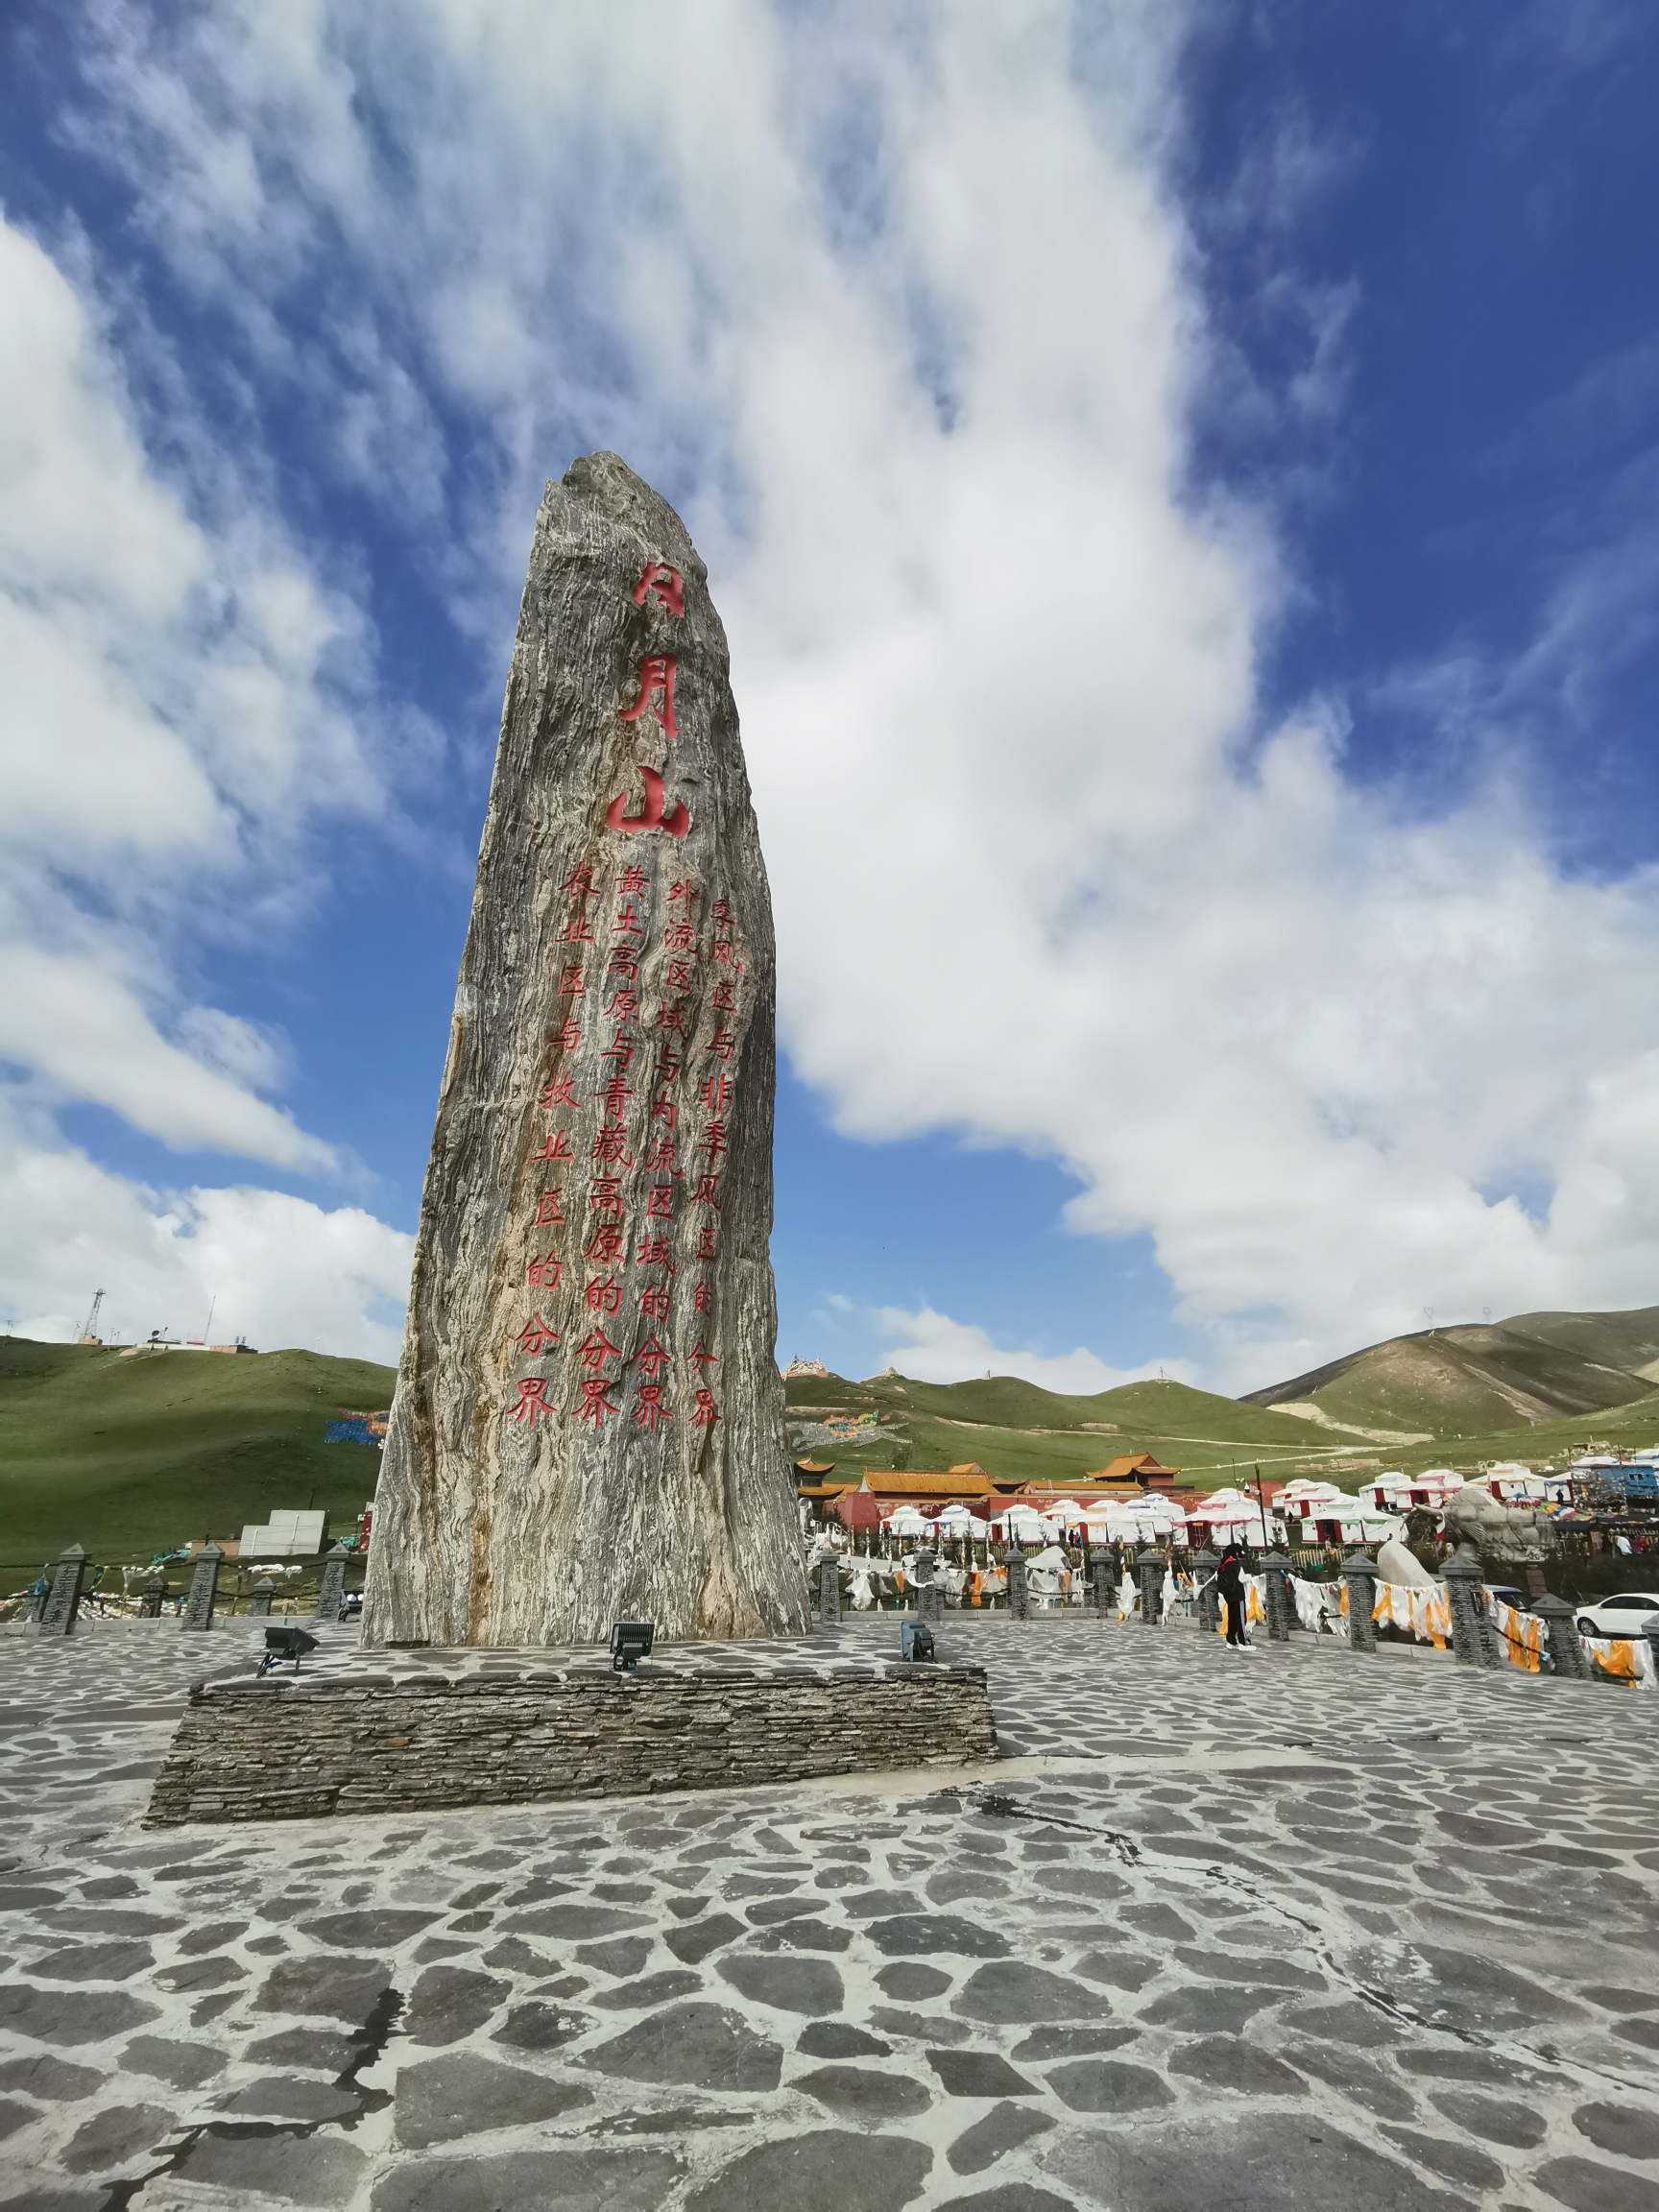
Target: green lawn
{"x": 131, "y": 1456}
{"x": 128, "y": 1456}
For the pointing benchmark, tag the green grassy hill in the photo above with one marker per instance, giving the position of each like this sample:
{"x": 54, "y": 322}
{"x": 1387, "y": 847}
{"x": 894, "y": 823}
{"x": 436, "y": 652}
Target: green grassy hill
{"x": 134, "y": 1456}
{"x": 131, "y": 1456}
{"x": 1014, "y": 1428}
{"x": 1470, "y": 1380}
{"x": 1630, "y": 1340}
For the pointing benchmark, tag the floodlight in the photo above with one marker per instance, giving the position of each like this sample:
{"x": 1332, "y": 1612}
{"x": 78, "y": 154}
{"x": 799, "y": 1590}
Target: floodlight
{"x": 286, "y": 1643}
{"x": 915, "y": 1641}
{"x": 631, "y": 1642}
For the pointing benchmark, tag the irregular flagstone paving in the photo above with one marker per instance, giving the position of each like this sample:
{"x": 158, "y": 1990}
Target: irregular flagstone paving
{"x": 1295, "y": 1928}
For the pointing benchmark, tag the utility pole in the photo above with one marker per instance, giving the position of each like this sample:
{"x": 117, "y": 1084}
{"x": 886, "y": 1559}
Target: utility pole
{"x": 88, "y": 1334}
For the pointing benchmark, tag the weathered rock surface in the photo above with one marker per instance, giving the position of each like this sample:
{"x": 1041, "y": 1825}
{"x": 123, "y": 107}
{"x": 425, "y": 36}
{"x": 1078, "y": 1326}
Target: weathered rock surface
{"x": 589, "y": 1422}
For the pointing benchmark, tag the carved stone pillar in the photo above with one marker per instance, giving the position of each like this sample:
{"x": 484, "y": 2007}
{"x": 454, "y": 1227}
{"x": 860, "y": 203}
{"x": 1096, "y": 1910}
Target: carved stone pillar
{"x": 203, "y": 1591}
{"x": 1360, "y": 1574}
{"x": 63, "y": 1599}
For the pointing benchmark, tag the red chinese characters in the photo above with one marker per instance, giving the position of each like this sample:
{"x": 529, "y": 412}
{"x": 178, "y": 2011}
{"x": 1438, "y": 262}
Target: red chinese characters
{"x": 657, "y": 673}
{"x": 652, "y": 816}
{"x": 576, "y": 930}
{"x": 708, "y": 1192}
{"x": 605, "y": 1246}
{"x": 654, "y": 1301}
{"x": 664, "y": 583}
{"x": 559, "y": 1092}
{"x": 594, "y": 1403}
{"x": 580, "y": 885}
{"x": 652, "y": 1358}
{"x": 659, "y": 1202}
{"x": 604, "y": 1294}
{"x": 543, "y": 1271}
{"x": 535, "y": 1337}
{"x": 604, "y": 1195}
{"x": 651, "y": 1413}
{"x": 532, "y": 1401}
{"x": 654, "y": 1252}
{"x": 714, "y": 1092}
{"x": 594, "y": 1349}
{"x": 706, "y": 1414}
{"x": 549, "y": 1214}
{"x": 556, "y": 1146}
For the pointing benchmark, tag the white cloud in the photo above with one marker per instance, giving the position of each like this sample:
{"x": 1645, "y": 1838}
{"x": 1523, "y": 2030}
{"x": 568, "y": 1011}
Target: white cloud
{"x": 164, "y": 734}
{"x": 86, "y": 1031}
{"x": 933, "y": 1348}
{"x": 912, "y": 330}
{"x": 275, "y": 1270}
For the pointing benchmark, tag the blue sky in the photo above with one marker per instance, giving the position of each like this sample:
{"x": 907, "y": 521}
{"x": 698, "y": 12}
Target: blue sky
{"x": 1179, "y": 486}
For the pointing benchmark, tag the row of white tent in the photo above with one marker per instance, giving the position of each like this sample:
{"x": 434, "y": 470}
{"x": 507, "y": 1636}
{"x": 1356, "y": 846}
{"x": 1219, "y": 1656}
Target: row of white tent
{"x": 1222, "y": 1515}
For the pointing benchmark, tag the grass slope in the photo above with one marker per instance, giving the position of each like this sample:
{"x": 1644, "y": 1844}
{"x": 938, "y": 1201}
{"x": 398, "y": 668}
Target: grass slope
{"x": 133, "y": 1455}
{"x": 1016, "y": 1429}
{"x": 1473, "y": 1380}
{"x": 1630, "y": 1339}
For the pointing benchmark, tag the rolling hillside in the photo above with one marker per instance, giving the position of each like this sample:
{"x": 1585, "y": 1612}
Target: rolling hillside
{"x": 130, "y": 1457}
{"x": 1474, "y": 1378}
{"x": 1016, "y": 1429}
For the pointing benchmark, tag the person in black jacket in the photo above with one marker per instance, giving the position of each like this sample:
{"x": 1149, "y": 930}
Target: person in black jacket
{"x": 1230, "y": 1582}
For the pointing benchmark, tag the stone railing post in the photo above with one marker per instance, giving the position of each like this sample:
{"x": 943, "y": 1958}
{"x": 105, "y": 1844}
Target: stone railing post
{"x": 1149, "y": 1571}
{"x": 1471, "y": 1638}
{"x": 264, "y": 1590}
{"x": 1567, "y": 1658}
{"x": 331, "y": 1590}
{"x": 204, "y": 1589}
{"x": 63, "y": 1599}
{"x": 1014, "y": 1566}
{"x": 929, "y": 1588}
{"x": 829, "y": 1594}
{"x": 1204, "y": 1566}
{"x": 1360, "y": 1574}
{"x": 1101, "y": 1580}
{"x": 1276, "y": 1595}
{"x": 151, "y": 1598}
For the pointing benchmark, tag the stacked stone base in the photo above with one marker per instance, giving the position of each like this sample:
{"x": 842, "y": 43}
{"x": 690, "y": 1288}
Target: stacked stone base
{"x": 355, "y": 1741}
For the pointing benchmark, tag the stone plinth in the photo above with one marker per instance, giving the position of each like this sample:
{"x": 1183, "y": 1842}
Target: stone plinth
{"x": 538, "y": 1727}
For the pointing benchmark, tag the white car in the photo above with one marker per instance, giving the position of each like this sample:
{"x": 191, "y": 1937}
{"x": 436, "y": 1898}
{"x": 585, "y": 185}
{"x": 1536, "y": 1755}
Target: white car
{"x": 1626, "y": 1614}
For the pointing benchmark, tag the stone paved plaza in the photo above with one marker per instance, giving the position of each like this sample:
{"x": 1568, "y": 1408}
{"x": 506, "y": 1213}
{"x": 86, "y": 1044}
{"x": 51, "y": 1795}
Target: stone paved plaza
{"x": 1217, "y": 1932}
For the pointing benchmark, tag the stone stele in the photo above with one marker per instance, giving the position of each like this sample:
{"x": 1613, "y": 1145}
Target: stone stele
{"x": 588, "y": 1419}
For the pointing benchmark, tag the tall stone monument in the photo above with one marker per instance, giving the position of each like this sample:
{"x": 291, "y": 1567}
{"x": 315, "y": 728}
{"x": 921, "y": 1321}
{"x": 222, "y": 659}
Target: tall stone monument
{"x": 588, "y": 1420}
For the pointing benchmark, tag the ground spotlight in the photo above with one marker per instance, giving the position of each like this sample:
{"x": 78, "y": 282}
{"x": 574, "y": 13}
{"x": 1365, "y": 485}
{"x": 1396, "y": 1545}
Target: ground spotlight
{"x": 631, "y": 1642}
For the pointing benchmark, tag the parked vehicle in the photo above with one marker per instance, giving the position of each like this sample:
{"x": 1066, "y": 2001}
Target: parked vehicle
{"x": 1627, "y": 1613}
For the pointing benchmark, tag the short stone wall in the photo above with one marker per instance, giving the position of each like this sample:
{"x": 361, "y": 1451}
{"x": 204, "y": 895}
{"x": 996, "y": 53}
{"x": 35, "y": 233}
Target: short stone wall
{"x": 286, "y": 1748}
